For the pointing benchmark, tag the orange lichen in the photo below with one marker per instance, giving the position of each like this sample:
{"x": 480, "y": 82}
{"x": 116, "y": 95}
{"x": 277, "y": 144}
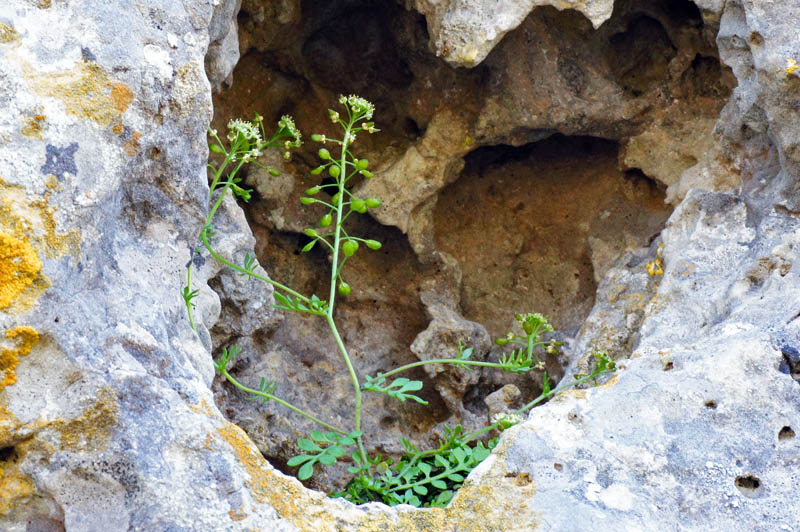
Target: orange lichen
{"x": 86, "y": 91}
{"x": 9, "y": 358}
{"x": 19, "y": 268}
{"x": 132, "y": 146}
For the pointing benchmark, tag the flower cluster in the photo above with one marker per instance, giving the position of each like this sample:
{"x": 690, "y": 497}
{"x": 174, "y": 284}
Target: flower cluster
{"x": 358, "y": 105}
{"x": 247, "y": 129}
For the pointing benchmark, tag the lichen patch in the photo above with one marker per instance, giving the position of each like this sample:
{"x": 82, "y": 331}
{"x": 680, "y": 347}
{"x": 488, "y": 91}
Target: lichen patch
{"x": 19, "y": 267}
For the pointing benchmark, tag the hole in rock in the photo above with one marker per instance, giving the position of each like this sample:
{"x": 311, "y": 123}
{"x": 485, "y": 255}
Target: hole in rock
{"x": 785, "y": 433}
{"x": 6, "y": 453}
{"x": 711, "y": 404}
{"x": 749, "y": 485}
{"x": 533, "y": 227}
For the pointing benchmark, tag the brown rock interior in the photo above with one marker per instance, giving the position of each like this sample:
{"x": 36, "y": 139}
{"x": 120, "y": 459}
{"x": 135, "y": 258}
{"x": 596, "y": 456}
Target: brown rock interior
{"x": 534, "y": 203}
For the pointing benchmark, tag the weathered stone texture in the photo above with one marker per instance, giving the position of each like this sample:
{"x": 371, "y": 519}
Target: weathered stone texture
{"x": 107, "y": 416}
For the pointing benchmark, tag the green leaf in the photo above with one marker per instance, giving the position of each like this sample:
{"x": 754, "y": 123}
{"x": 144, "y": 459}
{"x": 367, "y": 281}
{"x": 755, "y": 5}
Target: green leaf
{"x": 308, "y": 445}
{"x": 455, "y": 477}
{"x": 299, "y": 459}
{"x": 306, "y": 471}
{"x": 336, "y": 452}
{"x": 425, "y": 468}
{"x": 327, "y": 459}
{"x": 459, "y": 454}
{"x": 318, "y": 436}
{"x": 439, "y": 484}
{"x": 421, "y": 490}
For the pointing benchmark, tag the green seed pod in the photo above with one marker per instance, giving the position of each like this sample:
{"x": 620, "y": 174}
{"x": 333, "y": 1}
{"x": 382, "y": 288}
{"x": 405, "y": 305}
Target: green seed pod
{"x": 350, "y": 247}
{"x": 362, "y": 165}
{"x": 308, "y": 246}
{"x": 367, "y": 174}
{"x": 334, "y": 171}
{"x": 273, "y": 172}
{"x": 501, "y": 341}
{"x": 306, "y": 201}
{"x": 318, "y": 170}
{"x": 527, "y": 327}
{"x": 316, "y": 137}
{"x": 313, "y": 191}
{"x": 373, "y": 244}
{"x": 335, "y": 199}
{"x": 326, "y": 220}
{"x": 216, "y": 148}
{"x": 344, "y": 288}
{"x": 373, "y": 202}
{"x": 324, "y": 154}
{"x": 359, "y": 206}
{"x": 311, "y": 233}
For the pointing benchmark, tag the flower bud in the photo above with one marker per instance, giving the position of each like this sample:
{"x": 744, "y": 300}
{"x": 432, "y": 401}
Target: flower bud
{"x": 334, "y": 171}
{"x": 324, "y": 154}
{"x": 373, "y": 202}
{"x": 335, "y": 199}
{"x": 362, "y": 164}
{"x": 313, "y": 191}
{"x": 350, "y": 247}
{"x": 316, "y": 137}
{"x": 216, "y": 148}
{"x": 306, "y": 201}
{"x": 344, "y": 288}
{"x": 373, "y": 244}
{"x": 360, "y": 206}
{"x": 326, "y": 220}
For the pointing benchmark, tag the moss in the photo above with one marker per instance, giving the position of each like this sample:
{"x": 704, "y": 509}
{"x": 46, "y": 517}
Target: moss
{"x": 9, "y": 358}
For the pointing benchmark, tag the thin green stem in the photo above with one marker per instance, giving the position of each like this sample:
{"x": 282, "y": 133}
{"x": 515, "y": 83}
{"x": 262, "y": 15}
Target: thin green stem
{"x": 542, "y": 397}
{"x": 254, "y": 275}
{"x": 189, "y": 284}
{"x": 443, "y": 361}
{"x": 288, "y": 405}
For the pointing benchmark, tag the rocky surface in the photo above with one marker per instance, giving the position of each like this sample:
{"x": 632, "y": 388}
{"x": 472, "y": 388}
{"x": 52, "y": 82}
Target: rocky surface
{"x": 107, "y": 416}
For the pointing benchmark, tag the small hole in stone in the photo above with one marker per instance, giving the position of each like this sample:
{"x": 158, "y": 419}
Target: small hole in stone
{"x": 558, "y": 467}
{"x": 749, "y": 485}
{"x": 786, "y": 433}
{"x": 388, "y": 421}
{"x": 711, "y": 404}
{"x": 6, "y": 453}
{"x": 668, "y": 366}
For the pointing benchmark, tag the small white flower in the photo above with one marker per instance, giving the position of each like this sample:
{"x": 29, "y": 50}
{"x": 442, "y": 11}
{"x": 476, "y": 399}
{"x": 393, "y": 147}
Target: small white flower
{"x": 506, "y": 419}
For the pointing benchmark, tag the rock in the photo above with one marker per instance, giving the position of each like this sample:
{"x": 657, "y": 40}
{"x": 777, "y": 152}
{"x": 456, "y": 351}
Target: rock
{"x": 107, "y": 416}
{"x": 463, "y": 33}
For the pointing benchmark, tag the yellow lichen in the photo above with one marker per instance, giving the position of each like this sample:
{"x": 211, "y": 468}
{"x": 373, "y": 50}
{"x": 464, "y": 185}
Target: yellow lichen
{"x": 9, "y": 358}
{"x": 19, "y": 268}
{"x": 91, "y": 431}
{"x": 791, "y": 66}
{"x": 32, "y": 126}
{"x": 15, "y": 485}
{"x": 86, "y": 91}
{"x": 7, "y": 33}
